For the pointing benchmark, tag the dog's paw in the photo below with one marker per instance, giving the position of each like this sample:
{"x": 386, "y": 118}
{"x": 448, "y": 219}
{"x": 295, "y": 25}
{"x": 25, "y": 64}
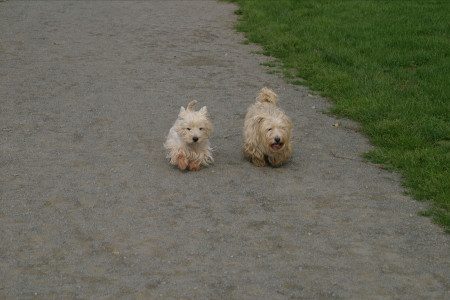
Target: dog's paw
{"x": 182, "y": 164}
{"x": 275, "y": 162}
{"x": 258, "y": 162}
{"x": 194, "y": 166}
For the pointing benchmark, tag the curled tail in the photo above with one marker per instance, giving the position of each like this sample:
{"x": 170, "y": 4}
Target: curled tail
{"x": 191, "y": 105}
{"x": 267, "y": 95}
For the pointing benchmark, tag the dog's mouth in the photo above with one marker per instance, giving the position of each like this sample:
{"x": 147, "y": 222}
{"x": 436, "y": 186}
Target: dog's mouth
{"x": 277, "y": 146}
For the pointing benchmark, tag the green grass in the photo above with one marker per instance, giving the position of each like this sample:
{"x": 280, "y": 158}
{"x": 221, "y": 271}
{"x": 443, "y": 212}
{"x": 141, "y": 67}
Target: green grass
{"x": 385, "y": 64}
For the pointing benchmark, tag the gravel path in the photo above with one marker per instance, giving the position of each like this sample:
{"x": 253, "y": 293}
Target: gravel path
{"x": 89, "y": 207}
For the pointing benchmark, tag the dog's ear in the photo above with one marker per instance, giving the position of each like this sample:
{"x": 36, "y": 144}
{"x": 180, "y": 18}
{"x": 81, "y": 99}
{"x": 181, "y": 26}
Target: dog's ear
{"x": 182, "y": 110}
{"x": 203, "y": 110}
{"x": 256, "y": 124}
{"x": 191, "y": 105}
{"x": 259, "y": 119}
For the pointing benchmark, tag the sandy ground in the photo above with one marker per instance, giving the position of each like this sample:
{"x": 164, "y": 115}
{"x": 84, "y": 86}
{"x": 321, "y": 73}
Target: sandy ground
{"x": 89, "y": 207}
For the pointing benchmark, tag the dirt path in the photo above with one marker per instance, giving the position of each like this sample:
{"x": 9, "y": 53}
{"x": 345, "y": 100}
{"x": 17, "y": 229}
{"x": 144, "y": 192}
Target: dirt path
{"x": 89, "y": 207}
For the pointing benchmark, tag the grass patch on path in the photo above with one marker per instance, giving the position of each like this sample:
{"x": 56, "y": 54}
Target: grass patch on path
{"x": 385, "y": 64}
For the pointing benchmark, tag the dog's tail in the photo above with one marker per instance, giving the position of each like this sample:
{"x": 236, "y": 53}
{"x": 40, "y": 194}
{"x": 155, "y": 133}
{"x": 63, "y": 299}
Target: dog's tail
{"x": 267, "y": 95}
{"x": 191, "y": 105}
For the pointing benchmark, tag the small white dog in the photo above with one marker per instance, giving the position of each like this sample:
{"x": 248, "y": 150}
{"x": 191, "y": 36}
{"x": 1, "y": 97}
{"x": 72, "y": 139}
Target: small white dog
{"x": 267, "y": 131}
{"x": 188, "y": 140}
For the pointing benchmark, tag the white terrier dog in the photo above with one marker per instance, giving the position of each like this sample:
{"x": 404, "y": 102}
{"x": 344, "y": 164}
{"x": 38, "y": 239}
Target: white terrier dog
{"x": 267, "y": 131}
{"x": 188, "y": 140}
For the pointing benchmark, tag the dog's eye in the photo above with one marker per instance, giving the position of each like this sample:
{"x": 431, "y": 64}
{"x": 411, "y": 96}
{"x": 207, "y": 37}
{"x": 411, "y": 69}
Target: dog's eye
{"x": 269, "y": 129}
{"x": 188, "y": 129}
{"x": 201, "y": 128}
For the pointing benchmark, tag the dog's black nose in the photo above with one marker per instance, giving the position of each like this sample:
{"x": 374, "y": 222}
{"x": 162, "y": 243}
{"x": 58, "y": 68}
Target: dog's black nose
{"x": 195, "y": 138}
{"x": 277, "y": 139}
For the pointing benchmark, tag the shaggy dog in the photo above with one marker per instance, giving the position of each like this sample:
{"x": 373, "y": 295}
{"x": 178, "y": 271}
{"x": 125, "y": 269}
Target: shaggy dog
{"x": 267, "y": 131}
{"x": 187, "y": 143}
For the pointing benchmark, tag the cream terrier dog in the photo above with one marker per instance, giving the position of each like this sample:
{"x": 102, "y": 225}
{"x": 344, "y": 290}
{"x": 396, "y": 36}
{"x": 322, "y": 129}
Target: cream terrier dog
{"x": 267, "y": 131}
{"x": 187, "y": 143}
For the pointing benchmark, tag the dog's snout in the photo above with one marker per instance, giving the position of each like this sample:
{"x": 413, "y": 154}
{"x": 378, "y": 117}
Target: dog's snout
{"x": 277, "y": 139}
{"x": 195, "y": 138}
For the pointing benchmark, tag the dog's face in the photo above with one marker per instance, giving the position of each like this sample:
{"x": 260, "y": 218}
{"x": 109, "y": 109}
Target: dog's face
{"x": 194, "y": 126}
{"x": 276, "y": 133}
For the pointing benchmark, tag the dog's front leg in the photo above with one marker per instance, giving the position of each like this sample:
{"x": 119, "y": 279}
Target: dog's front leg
{"x": 275, "y": 161}
{"x": 256, "y": 157}
{"x": 182, "y": 160}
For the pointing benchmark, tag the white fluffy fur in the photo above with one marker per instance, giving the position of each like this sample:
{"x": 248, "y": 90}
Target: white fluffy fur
{"x": 182, "y": 149}
{"x": 267, "y": 131}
